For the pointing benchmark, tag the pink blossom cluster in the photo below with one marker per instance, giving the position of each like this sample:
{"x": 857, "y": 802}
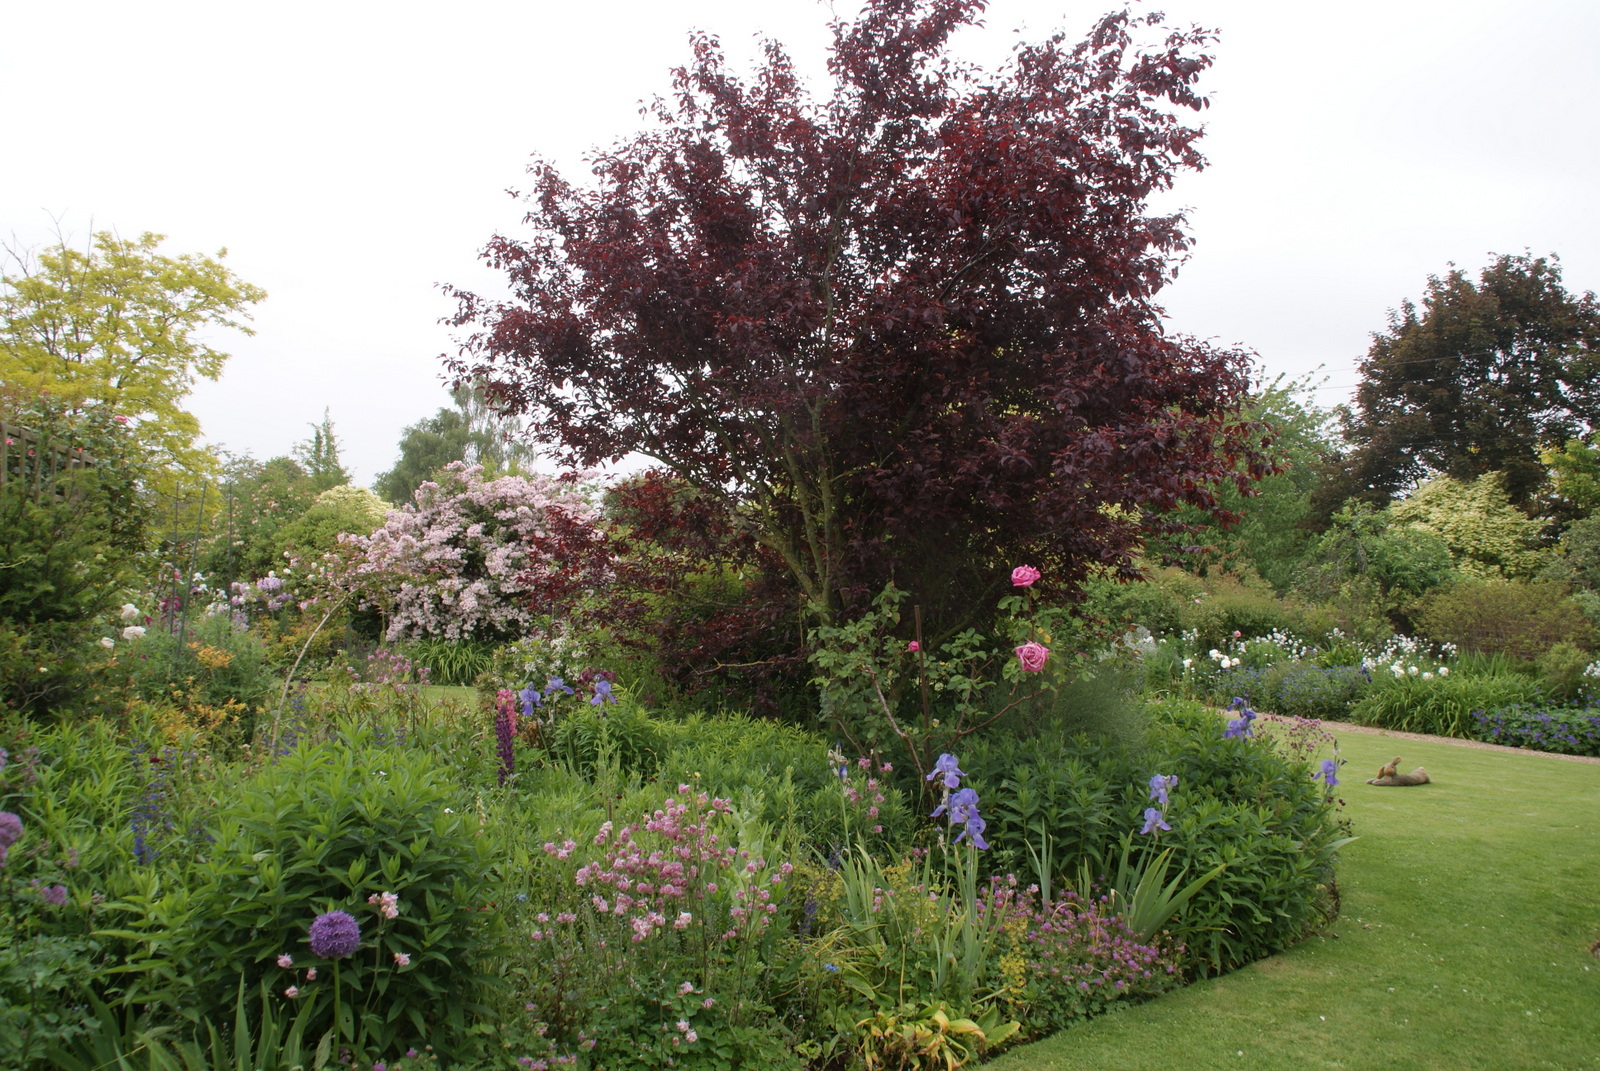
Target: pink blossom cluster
{"x": 470, "y": 557}
{"x": 671, "y": 869}
{"x": 1080, "y": 952}
{"x": 388, "y": 904}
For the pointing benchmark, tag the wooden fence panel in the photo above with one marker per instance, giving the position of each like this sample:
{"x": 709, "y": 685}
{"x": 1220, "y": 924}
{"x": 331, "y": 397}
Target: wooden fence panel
{"x": 34, "y": 462}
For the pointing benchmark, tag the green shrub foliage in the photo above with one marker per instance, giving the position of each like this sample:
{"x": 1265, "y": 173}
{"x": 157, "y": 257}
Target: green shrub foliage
{"x": 1237, "y": 801}
{"x": 1515, "y": 618}
{"x": 334, "y": 826}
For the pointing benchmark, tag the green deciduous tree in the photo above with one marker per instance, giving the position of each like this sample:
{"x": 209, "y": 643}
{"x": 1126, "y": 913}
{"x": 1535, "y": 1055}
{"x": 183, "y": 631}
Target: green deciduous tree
{"x": 1574, "y": 477}
{"x": 258, "y": 500}
{"x": 471, "y": 432}
{"x": 1274, "y": 531}
{"x": 118, "y": 325}
{"x": 1476, "y": 381}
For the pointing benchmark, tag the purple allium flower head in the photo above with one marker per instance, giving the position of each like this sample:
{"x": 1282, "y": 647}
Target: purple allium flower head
{"x": 1160, "y": 785}
{"x": 335, "y": 935}
{"x": 1328, "y": 772}
{"x": 54, "y": 895}
{"x": 10, "y": 829}
{"x": 602, "y": 694}
{"x": 1153, "y": 821}
{"x": 946, "y": 768}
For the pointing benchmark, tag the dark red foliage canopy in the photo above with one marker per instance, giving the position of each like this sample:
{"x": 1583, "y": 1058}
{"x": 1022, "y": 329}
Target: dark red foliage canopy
{"x": 910, "y": 329}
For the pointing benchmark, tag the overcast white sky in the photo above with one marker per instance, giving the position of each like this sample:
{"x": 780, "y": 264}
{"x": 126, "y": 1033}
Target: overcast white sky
{"x": 351, "y": 156}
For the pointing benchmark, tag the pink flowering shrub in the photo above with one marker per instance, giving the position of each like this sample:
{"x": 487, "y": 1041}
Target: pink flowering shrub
{"x": 1071, "y": 959}
{"x": 657, "y": 945}
{"x": 470, "y": 558}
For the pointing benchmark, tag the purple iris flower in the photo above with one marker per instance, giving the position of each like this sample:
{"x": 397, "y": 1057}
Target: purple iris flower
{"x": 530, "y": 698}
{"x": 1153, "y": 821}
{"x": 1240, "y": 726}
{"x": 973, "y": 829}
{"x": 960, "y": 804}
{"x": 1160, "y": 785}
{"x": 1328, "y": 772}
{"x": 602, "y": 694}
{"x": 946, "y": 767}
{"x": 556, "y": 684}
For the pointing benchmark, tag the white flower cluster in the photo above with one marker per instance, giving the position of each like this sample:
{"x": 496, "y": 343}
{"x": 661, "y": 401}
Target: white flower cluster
{"x": 129, "y": 614}
{"x": 1592, "y": 669}
{"x": 1405, "y": 656}
{"x": 1288, "y": 643}
{"x": 1223, "y": 661}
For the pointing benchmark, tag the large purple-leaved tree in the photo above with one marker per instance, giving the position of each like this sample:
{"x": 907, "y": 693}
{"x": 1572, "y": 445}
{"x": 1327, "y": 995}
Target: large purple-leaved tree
{"x": 909, "y": 330}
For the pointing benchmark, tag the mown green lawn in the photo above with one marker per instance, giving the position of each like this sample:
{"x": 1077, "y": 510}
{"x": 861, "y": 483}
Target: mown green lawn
{"x": 1469, "y": 906}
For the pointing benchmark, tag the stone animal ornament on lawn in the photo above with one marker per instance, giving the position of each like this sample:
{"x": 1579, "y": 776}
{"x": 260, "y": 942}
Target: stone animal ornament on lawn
{"x": 1387, "y": 775}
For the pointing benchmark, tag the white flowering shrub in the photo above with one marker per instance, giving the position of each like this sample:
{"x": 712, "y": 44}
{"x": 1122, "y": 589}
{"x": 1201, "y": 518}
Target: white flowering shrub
{"x": 470, "y": 558}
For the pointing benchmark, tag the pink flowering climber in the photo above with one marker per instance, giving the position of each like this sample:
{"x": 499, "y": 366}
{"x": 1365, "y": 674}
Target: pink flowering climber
{"x": 1032, "y": 656}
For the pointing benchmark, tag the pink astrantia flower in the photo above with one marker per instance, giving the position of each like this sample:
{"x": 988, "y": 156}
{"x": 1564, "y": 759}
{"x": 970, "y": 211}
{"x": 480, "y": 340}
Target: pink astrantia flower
{"x": 1024, "y": 576}
{"x": 311, "y": 974}
{"x": 401, "y": 959}
{"x": 292, "y": 992}
{"x": 286, "y": 961}
{"x": 1032, "y": 656}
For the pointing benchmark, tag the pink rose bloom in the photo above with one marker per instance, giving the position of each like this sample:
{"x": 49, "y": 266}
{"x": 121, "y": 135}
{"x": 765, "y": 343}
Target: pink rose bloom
{"x": 1024, "y": 576}
{"x": 1032, "y": 656}
{"x": 913, "y": 646}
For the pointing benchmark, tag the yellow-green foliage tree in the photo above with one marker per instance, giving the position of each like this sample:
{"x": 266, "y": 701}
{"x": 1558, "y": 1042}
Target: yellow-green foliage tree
{"x": 114, "y": 325}
{"x": 1488, "y": 537}
{"x": 338, "y": 510}
{"x": 1574, "y": 475}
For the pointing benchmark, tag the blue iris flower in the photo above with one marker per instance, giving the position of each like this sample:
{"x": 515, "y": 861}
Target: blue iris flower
{"x": 556, "y": 684}
{"x": 602, "y": 694}
{"x": 530, "y": 699}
